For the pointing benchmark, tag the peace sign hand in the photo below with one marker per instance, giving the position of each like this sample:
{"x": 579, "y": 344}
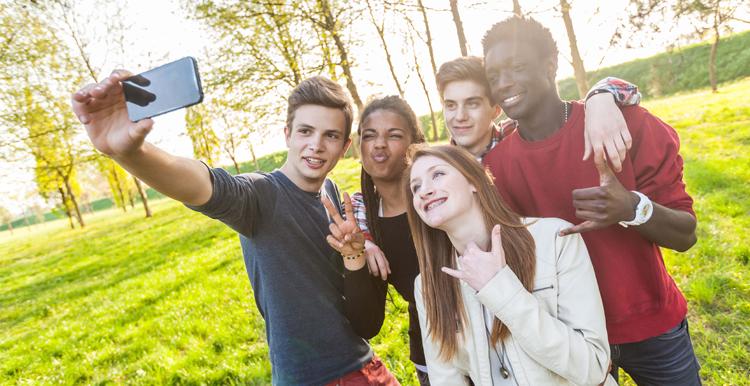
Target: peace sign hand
{"x": 478, "y": 267}
{"x": 345, "y": 237}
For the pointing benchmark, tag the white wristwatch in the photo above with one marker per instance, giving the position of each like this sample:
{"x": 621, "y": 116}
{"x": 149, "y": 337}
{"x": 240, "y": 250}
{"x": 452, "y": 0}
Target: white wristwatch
{"x": 643, "y": 211}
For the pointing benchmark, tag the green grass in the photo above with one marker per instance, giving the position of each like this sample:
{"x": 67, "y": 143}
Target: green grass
{"x": 166, "y": 300}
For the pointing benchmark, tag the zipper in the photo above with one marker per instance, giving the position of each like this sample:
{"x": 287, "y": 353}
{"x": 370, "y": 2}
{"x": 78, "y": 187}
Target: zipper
{"x": 543, "y": 288}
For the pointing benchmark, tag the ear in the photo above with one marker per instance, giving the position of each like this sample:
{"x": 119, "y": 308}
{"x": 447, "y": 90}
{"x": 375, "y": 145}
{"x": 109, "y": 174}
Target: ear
{"x": 287, "y": 135}
{"x": 497, "y": 112}
{"x": 551, "y": 69}
{"x": 473, "y": 189}
{"x": 346, "y": 147}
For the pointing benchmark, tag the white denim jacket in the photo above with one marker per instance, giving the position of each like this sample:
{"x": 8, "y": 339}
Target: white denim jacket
{"x": 557, "y": 334}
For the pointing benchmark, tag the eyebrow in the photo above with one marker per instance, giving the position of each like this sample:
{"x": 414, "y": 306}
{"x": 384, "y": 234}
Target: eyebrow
{"x": 469, "y": 99}
{"x": 428, "y": 169}
{"x": 389, "y": 130}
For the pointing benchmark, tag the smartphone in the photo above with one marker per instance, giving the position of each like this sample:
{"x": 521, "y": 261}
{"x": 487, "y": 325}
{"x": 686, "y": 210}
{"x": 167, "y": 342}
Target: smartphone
{"x": 163, "y": 89}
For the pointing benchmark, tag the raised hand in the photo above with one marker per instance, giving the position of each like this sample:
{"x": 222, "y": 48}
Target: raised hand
{"x": 345, "y": 237}
{"x": 605, "y": 132}
{"x": 603, "y": 205}
{"x": 101, "y": 108}
{"x": 478, "y": 267}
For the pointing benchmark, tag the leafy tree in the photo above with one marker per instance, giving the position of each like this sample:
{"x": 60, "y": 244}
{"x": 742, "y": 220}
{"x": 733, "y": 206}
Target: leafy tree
{"x": 201, "y": 134}
{"x": 706, "y": 17}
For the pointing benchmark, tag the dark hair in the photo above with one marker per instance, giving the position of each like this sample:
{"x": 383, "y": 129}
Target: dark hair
{"x": 398, "y": 106}
{"x": 321, "y": 91}
{"x": 463, "y": 68}
{"x": 522, "y": 30}
{"x": 441, "y": 293}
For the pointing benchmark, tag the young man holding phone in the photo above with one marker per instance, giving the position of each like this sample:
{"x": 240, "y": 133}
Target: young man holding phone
{"x": 299, "y": 282}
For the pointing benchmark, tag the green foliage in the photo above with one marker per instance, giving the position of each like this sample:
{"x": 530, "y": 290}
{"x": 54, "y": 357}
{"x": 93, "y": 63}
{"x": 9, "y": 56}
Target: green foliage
{"x": 204, "y": 139}
{"x": 119, "y": 181}
{"x": 166, "y": 300}
{"x": 676, "y": 71}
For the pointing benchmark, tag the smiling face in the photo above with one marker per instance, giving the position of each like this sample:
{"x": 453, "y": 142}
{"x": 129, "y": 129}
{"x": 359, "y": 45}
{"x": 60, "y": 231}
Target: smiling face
{"x": 316, "y": 142}
{"x": 384, "y": 139}
{"x": 520, "y": 78}
{"x": 468, "y": 114}
{"x": 441, "y": 194}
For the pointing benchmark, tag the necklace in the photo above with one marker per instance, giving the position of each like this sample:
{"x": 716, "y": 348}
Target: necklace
{"x": 565, "y": 111}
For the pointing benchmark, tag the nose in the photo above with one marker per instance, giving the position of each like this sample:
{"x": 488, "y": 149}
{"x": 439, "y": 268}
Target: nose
{"x": 502, "y": 82}
{"x": 380, "y": 141}
{"x": 426, "y": 191}
{"x": 461, "y": 113}
{"x": 316, "y": 143}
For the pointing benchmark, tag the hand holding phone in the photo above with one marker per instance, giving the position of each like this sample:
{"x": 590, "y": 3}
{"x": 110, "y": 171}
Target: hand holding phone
{"x": 102, "y": 107}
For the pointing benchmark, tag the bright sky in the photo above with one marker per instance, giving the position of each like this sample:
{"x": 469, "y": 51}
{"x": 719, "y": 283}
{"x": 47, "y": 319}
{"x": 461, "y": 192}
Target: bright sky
{"x": 160, "y": 28}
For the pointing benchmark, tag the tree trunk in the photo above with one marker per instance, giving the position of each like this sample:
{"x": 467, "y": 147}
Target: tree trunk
{"x": 144, "y": 196}
{"x": 428, "y": 41}
{"x": 74, "y": 202}
{"x": 712, "y": 58}
{"x": 66, "y": 208}
{"x": 10, "y": 226}
{"x": 381, "y": 34}
{"x": 426, "y": 93}
{"x": 580, "y": 72}
{"x": 331, "y": 27}
{"x": 130, "y": 198}
{"x": 429, "y": 38}
{"x": 459, "y": 27}
{"x": 255, "y": 159}
{"x": 119, "y": 188}
{"x": 517, "y": 8}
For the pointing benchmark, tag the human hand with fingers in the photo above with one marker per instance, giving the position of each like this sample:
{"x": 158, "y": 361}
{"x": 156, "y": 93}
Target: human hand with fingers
{"x": 602, "y": 205}
{"x": 606, "y": 133}
{"x": 478, "y": 267}
{"x": 345, "y": 237}
{"x": 102, "y": 110}
{"x": 377, "y": 263}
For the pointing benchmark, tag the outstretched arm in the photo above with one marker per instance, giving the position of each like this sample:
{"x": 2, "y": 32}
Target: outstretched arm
{"x": 101, "y": 109}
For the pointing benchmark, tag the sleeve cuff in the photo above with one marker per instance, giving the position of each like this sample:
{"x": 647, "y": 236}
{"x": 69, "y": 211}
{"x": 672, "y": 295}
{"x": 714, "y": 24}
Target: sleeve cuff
{"x": 500, "y": 290}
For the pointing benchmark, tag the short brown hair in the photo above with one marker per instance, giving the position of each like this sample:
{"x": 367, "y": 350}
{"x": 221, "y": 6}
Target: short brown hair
{"x": 463, "y": 68}
{"x": 320, "y": 91}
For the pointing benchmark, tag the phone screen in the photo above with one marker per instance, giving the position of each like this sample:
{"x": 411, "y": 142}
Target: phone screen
{"x": 163, "y": 89}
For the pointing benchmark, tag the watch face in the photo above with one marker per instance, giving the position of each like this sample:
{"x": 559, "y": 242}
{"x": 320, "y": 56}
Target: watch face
{"x": 644, "y": 210}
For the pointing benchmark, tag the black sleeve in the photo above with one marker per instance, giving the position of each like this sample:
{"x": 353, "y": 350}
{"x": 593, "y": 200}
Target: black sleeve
{"x": 364, "y": 302}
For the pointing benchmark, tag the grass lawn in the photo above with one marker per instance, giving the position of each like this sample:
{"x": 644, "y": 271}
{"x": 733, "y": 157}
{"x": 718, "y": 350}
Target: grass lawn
{"x": 167, "y": 300}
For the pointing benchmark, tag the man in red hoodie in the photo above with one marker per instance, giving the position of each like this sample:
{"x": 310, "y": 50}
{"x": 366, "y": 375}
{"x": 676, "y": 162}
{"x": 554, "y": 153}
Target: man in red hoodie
{"x": 624, "y": 217}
